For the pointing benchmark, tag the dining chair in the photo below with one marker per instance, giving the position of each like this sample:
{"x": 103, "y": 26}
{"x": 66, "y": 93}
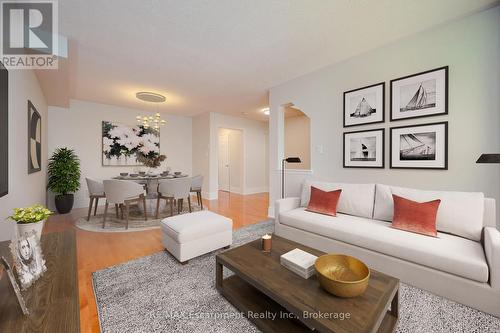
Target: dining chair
{"x": 96, "y": 191}
{"x": 196, "y": 184}
{"x": 171, "y": 190}
{"x": 122, "y": 193}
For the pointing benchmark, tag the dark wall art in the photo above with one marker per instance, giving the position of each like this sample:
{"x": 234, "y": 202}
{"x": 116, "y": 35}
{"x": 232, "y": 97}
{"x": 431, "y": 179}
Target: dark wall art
{"x": 364, "y": 149}
{"x": 420, "y": 147}
{"x": 364, "y": 105}
{"x": 34, "y": 139}
{"x": 420, "y": 95}
{"x": 4, "y": 131}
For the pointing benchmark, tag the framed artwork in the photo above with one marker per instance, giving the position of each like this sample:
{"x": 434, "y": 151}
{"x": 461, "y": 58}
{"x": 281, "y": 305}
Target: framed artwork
{"x": 364, "y": 149}
{"x": 420, "y": 95}
{"x": 123, "y": 144}
{"x": 34, "y": 139}
{"x": 4, "y": 131}
{"x": 28, "y": 258}
{"x": 364, "y": 105}
{"x": 420, "y": 147}
{"x": 13, "y": 284}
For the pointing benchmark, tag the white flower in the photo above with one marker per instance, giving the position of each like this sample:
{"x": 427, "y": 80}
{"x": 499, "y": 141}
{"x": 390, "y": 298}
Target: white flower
{"x": 106, "y": 144}
{"x": 145, "y": 150}
{"x": 117, "y": 132}
{"x": 150, "y": 138}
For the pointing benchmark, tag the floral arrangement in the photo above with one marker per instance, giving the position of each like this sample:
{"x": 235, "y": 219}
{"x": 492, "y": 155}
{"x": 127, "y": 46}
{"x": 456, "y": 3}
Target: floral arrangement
{"x": 33, "y": 214}
{"x": 138, "y": 141}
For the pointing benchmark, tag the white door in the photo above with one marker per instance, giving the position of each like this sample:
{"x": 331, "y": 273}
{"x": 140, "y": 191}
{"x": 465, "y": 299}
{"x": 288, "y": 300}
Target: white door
{"x": 224, "y": 169}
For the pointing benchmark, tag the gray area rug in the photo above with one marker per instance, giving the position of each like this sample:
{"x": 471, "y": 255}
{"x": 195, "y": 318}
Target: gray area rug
{"x": 136, "y": 219}
{"x": 157, "y": 294}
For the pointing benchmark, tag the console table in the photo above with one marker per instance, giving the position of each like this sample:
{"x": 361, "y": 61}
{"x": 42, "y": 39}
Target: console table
{"x": 53, "y": 299}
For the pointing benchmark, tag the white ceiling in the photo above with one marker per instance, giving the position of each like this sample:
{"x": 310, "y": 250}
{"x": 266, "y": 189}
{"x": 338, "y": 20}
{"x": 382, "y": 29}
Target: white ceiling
{"x": 224, "y": 55}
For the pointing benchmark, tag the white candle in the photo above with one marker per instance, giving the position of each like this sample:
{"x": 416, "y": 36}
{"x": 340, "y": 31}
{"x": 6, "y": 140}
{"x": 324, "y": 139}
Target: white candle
{"x": 266, "y": 243}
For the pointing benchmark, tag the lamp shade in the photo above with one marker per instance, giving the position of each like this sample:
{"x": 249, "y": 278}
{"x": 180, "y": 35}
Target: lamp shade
{"x": 489, "y": 158}
{"x": 292, "y": 160}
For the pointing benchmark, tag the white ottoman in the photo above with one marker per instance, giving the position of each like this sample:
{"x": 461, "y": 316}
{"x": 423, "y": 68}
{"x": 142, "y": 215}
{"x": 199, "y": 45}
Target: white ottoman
{"x": 190, "y": 235}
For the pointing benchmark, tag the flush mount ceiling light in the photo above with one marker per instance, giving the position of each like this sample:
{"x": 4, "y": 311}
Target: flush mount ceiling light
{"x": 265, "y": 111}
{"x": 152, "y": 97}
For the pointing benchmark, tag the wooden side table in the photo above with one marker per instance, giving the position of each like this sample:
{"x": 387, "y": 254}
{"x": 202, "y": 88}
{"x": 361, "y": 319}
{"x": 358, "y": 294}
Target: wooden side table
{"x": 53, "y": 299}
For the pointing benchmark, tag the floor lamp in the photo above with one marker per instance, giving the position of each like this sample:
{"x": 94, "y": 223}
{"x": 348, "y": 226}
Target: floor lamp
{"x": 489, "y": 158}
{"x": 288, "y": 160}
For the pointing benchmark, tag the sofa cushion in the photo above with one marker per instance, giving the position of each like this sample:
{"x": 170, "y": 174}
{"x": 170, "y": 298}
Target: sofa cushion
{"x": 323, "y": 202}
{"x": 419, "y": 217}
{"x": 447, "y": 253}
{"x": 460, "y": 213}
{"x": 356, "y": 199}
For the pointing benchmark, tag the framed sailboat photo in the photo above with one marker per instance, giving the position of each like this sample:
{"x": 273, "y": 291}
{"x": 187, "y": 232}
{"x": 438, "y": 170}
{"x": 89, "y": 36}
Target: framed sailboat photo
{"x": 420, "y": 95}
{"x": 420, "y": 147}
{"x": 364, "y": 149}
{"x": 364, "y": 105}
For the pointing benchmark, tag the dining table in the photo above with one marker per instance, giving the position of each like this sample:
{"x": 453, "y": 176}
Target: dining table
{"x": 150, "y": 182}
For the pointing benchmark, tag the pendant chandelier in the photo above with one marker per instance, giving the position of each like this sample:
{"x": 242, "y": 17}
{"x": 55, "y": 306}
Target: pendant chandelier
{"x": 154, "y": 122}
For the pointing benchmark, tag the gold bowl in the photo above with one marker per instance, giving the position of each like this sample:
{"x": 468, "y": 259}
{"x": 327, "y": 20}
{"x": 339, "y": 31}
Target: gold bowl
{"x": 342, "y": 275}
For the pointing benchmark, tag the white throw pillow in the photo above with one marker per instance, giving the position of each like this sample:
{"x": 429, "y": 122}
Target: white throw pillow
{"x": 355, "y": 199}
{"x": 460, "y": 213}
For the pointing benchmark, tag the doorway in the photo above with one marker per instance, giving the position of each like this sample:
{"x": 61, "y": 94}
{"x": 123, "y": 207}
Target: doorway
{"x": 297, "y": 137}
{"x": 230, "y": 160}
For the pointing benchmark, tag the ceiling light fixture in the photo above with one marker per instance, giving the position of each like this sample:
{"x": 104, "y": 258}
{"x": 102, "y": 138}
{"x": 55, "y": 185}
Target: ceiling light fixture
{"x": 151, "y": 121}
{"x": 265, "y": 111}
{"x": 152, "y": 97}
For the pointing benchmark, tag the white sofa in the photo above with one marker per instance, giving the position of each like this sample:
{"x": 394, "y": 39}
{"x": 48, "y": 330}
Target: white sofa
{"x": 462, "y": 263}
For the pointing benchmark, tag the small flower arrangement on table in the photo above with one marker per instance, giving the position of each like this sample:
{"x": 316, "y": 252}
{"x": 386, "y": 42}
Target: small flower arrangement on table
{"x": 30, "y": 219}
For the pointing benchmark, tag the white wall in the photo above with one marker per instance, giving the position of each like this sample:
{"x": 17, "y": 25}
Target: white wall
{"x": 255, "y": 178}
{"x": 201, "y": 150}
{"x": 79, "y": 127}
{"x": 470, "y": 47}
{"x": 24, "y": 189}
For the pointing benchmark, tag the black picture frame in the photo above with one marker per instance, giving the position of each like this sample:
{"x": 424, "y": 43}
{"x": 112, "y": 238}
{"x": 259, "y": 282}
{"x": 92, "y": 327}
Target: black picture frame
{"x": 446, "y": 80}
{"x": 4, "y": 131}
{"x": 362, "y": 88}
{"x": 34, "y": 123}
{"x": 445, "y": 167}
{"x": 363, "y": 167}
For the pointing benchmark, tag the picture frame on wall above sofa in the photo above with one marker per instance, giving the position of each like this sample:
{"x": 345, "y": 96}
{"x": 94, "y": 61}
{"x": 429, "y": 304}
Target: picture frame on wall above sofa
{"x": 422, "y": 146}
{"x": 419, "y": 95}
{"x": 364, "y": 149}
{"x": 4, "y": 131}
{"x": 34, "y": 139}
{"x": 364, "y": 105}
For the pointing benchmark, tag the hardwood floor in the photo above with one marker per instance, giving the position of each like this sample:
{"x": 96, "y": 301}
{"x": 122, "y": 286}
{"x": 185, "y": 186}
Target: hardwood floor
{"x": 97, "y": 251}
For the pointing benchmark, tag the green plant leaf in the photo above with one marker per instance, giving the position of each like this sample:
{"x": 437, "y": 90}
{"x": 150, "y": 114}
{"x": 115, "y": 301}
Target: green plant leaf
{"x": 64, "y": 171}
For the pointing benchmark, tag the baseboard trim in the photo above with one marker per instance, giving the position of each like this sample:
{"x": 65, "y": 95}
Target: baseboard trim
{"x": 255, "y": 190}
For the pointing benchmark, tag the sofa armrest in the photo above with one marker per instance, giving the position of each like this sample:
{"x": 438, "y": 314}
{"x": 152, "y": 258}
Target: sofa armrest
{"x": 284, "y": 205}
{"x": 492, "y": 249}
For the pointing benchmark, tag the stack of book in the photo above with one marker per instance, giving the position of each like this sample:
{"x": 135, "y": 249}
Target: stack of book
{"x": 299, "y": 262}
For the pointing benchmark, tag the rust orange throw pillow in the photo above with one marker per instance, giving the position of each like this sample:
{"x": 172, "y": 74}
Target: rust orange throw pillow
{"x": 323, "y": 202}
{"x": 415, "y": 216}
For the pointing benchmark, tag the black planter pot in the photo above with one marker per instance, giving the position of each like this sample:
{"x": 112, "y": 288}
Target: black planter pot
{"x": 64, "y": 203}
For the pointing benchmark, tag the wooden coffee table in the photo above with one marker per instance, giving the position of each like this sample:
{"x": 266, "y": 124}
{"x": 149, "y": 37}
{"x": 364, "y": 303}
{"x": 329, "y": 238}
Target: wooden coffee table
{"x": 261, "y": 288}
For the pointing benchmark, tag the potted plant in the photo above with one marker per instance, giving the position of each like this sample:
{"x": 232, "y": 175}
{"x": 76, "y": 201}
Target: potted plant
{"x": 30, "y": 218}
{"x": 64, "y": 178}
